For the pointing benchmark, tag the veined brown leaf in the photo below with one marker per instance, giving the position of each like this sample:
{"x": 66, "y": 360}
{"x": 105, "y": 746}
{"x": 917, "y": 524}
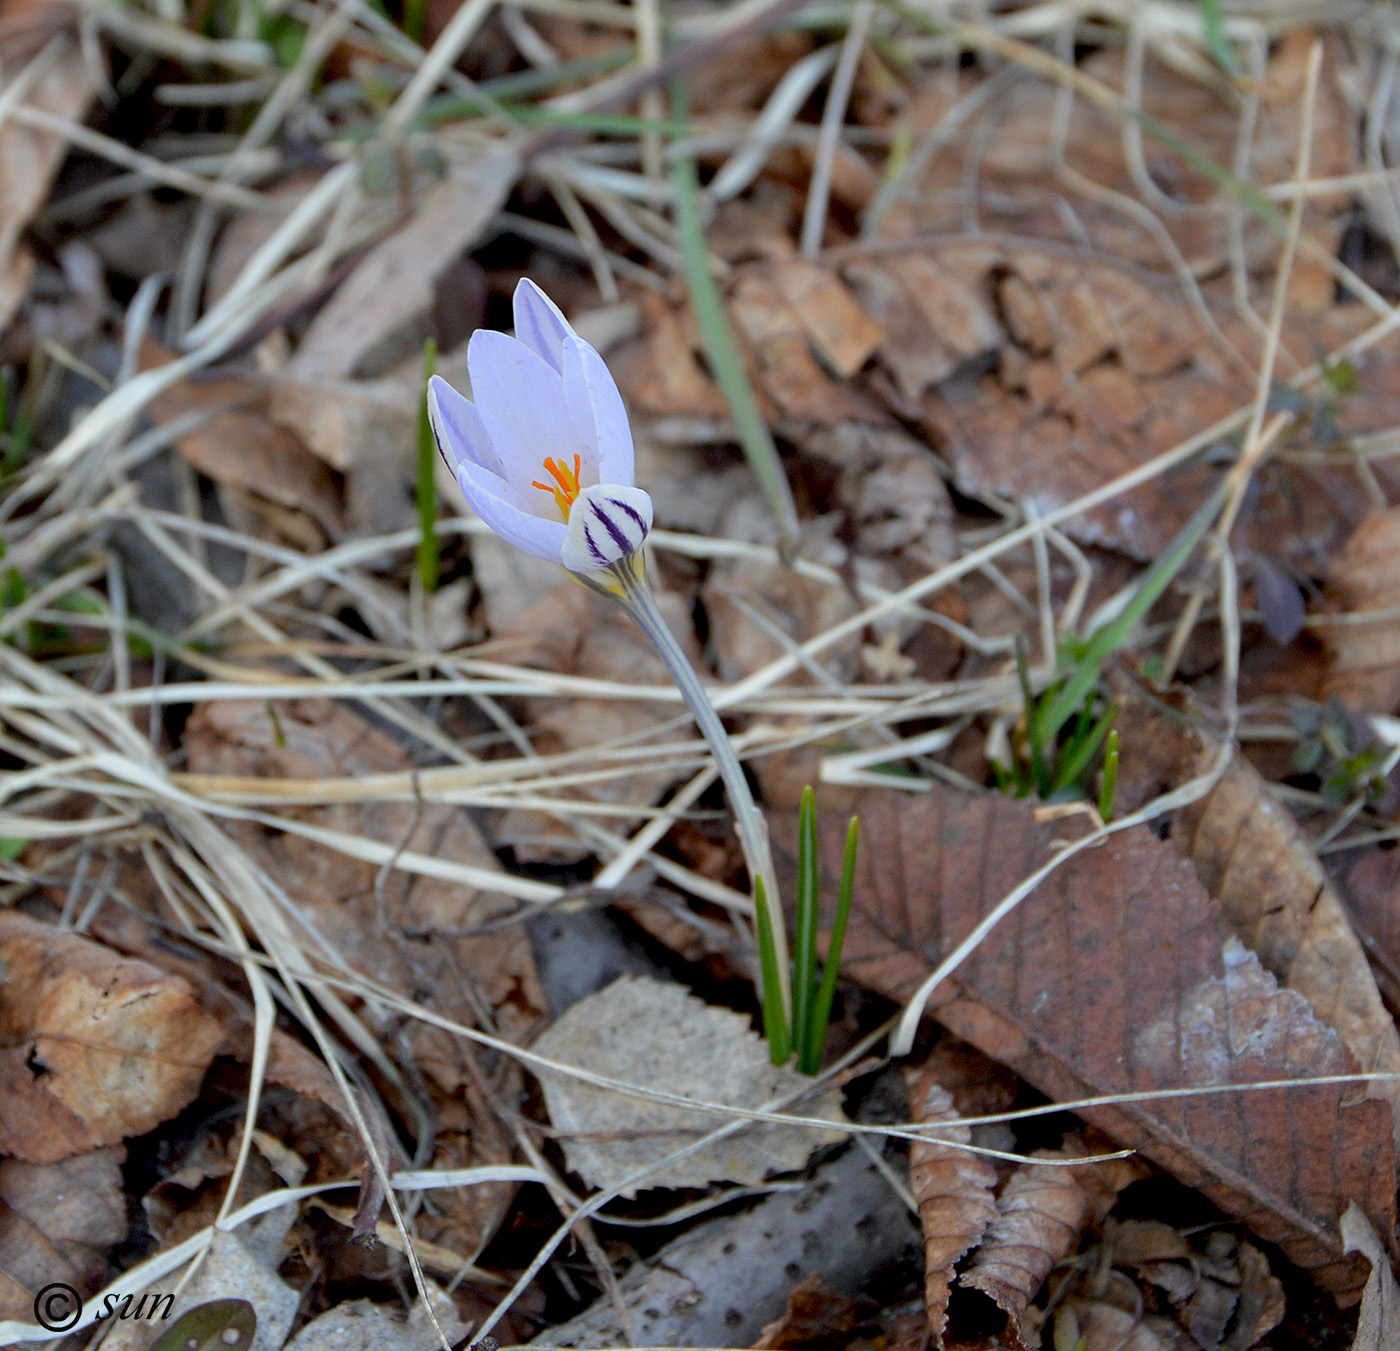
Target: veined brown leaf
{"x": 1118, "y": 975}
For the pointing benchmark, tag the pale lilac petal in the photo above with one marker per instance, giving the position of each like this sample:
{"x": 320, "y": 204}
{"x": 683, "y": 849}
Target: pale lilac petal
{"x": 539, "y": 323}
{"x": 488, "y": 497}
{"x": 458, "y": 429}
{"x": 521, "y": 403}
{"x": 607, "y": 523}
{"x": 598, "y": 412}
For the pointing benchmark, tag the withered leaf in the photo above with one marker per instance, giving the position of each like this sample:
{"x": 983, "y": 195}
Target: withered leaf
{"x": 1040, "y": 1214}
{"x": 1364, "y": 669}
{"x": 815, "y": 1316}
{"x": 57, "y": 1220}
{"x": 1273, "y": 892}
{"x": 1117, "y": 974}
{"x": 1379, "y": 1324}
{"x": 96, "y": 1046}
{"x": 954, "y": 1189}
{"x": 413, "y": 933}
{"x": 29, "y": 159}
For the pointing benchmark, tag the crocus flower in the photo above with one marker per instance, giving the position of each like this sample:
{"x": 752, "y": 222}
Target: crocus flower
{"x": 544, "y": 454}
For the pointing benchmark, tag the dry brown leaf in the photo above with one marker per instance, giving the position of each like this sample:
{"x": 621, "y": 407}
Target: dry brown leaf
{"x": 57, "y": 1221}
{"x": 1091, "y": 1325}
{"x": 572, "y": 630}
{"x": 779, "y": 341}
{"x": 410, "y": 932}
{"x": 1273, "y": 892}
{"x": 239, "y": 447}
{"x": 1364, "y": 658}
{"x": 954, "y": 1190}
{"x": 759, "y": 610}
{"x": 1370, "y": 889}
{"x": 394, "y": 284}
{"x": 843, "y": 334}
{"x": 1117, "y": 974}
{"x": 893, "y": 489}
{"x": 655, "y": 1035}
{"x": 1378, "y": 1328}
{"x": 815, "y": 1316}
{"x": 97, "y": 1046}
{"x": 1040, "y": 1214}
{"x": 30, "y": 158}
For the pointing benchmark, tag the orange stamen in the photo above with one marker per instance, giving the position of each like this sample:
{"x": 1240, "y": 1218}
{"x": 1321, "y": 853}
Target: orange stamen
{"x": 568, "y": 485}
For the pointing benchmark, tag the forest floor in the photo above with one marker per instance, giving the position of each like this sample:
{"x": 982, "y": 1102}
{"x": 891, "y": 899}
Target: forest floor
{"x": 1017, "y": 390}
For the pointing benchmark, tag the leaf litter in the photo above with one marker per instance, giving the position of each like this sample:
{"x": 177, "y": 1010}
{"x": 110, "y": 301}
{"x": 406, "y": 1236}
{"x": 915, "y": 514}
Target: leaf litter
{"x": 284, "y": 809}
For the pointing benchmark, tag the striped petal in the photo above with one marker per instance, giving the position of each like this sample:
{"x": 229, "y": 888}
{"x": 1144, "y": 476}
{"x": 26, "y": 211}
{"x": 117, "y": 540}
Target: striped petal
{"x": 608, "y": 523}
{"x": 458, "y": 428}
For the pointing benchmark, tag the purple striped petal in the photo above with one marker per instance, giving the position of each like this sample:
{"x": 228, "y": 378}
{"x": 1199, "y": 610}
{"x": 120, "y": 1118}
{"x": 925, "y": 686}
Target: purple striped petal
{"x": 608, "y": 522}
{"x": 458, "y": 429}
{"x": 539, "y": 324}
{"x": 597, "y": 410}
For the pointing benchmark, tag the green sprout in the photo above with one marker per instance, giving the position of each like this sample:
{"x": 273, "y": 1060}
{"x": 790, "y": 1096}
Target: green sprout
{"x": 1067, "y": 723}
{"x": 811, "y": 998}
{"x": 16, "y": 426}
{"x": 1336, "y": 746}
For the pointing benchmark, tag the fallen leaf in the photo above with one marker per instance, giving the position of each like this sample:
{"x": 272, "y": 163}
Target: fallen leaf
{"x": 98, "y": 1046}
{"x": 724, "y": 1280}
{"x": 1273, "y": 892}
{"x": 412, "y": 933}
{"x": 815, "y": 1316}
{"x": 1364, "y": 657}
{"x": 238, "y": 445}
{"x": 1378, "y": 1328}
{"x": 1370, "y": 889}
{"x": 1117, "y": 974}
{"x": 57, "y": 1222}
{"x": 759, "y": 610}
{"x": 893, "y": 490}
{"x": 955, "y": 1191}
{"x": 228, "y": 1264}
{"x": 366, "y": 1326}
{"x": 1041, "y": 1212}
{"x": 29, "y": 160}
{"x": 655, "y": 1035}
{"x": 785, "y": 369}
{"x": 394, "y": 284}
{"x": 576, "y": 632}
{"x": 1090, "y": 1325}
{"x": 842, "y": 333}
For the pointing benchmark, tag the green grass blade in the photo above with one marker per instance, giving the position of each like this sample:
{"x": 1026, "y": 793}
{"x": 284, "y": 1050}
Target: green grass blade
{"x": 725, "y": 362}
{"x": 1106, "y": 640}
{"x": 428, "y": 567}
{"x": 804, "y": 939}
{"x": 1109, "y": 784}
{"x": 1080, "y": 751}
{"x": 1216, "y": 40}
{"x": 774, "y": 1022}
{"x": 1023, "y": 674}
{"x": 820, "y": 1016}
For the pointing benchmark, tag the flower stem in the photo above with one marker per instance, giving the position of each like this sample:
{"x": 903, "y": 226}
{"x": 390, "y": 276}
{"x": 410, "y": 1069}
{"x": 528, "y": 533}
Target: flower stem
{"x": 629, "y": 585}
